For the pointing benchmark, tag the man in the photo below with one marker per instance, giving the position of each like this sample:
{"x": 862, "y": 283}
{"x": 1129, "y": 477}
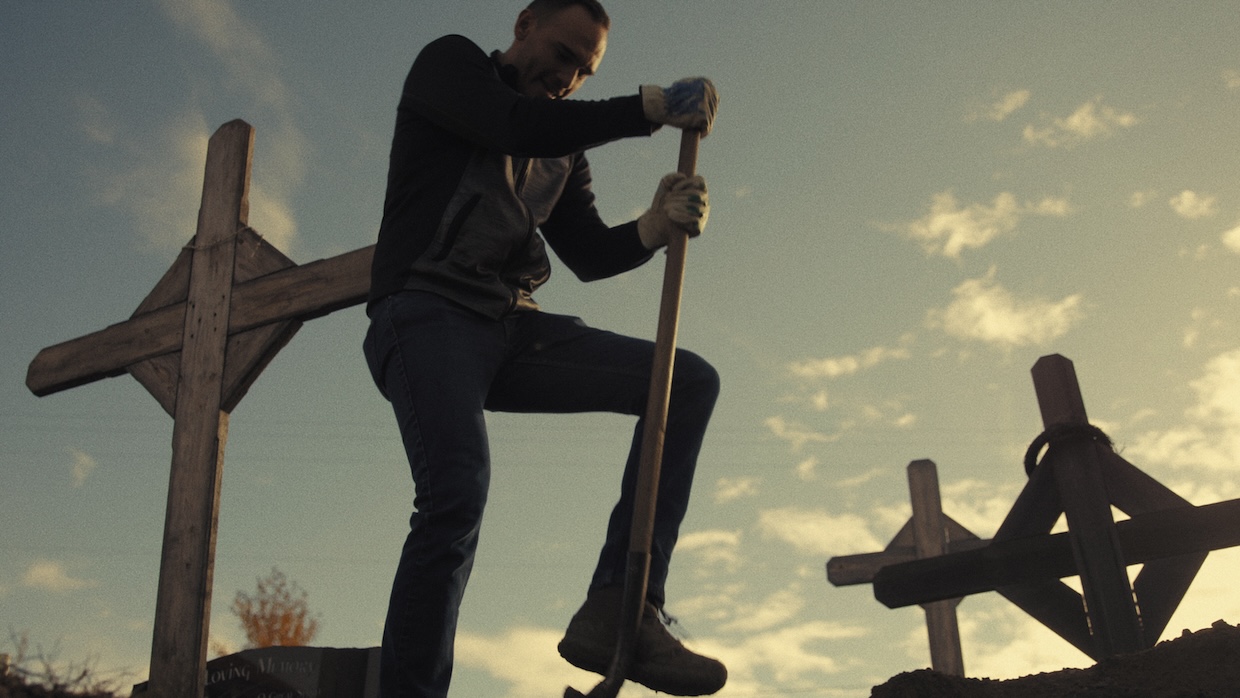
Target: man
{"x": 486, "y": 155}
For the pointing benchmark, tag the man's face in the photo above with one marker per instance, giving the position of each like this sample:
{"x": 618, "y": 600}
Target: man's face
{"x": 555, "y": 54}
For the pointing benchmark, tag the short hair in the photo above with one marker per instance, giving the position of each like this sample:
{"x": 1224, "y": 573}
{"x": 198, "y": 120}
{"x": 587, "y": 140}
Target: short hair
{"x": 543, "y": 8}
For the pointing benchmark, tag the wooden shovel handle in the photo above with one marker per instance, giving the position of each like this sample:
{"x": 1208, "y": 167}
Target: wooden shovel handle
{"x": 641, "y": 534}
{"x": 661, "y": 374}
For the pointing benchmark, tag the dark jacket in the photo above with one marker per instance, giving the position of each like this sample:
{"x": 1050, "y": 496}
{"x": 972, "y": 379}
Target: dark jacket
{"x": 476, "y": 168}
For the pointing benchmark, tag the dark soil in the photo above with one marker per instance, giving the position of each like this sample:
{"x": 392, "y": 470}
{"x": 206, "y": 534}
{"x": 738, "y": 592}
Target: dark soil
{"x": 1204, "y": 664}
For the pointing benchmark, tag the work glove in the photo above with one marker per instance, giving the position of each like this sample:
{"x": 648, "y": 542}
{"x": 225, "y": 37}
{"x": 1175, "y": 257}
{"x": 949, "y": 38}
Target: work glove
{"x": 690, "y": 103}
{"x": 680, "y": 206}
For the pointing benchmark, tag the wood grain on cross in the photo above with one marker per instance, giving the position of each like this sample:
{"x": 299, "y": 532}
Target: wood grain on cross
{"x": 929, "y": 533}
{"x": 197, "y": 342}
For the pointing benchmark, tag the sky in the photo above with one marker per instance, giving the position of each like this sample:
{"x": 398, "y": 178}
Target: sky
{"x": 911, "y": 203}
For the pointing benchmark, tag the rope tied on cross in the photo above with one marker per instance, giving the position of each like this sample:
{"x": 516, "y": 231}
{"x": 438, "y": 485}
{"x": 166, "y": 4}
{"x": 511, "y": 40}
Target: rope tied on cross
{"x": 1057, "y": 434}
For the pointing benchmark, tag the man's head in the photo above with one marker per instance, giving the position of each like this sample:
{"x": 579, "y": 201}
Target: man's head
{"x": 557, "y": 44}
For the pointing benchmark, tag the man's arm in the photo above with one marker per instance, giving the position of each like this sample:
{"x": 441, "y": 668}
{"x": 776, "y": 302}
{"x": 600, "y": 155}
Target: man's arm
{"x": 587, "y": 245}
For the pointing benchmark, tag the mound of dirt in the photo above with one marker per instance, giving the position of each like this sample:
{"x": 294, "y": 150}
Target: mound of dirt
{"x": 1204, "y": 664}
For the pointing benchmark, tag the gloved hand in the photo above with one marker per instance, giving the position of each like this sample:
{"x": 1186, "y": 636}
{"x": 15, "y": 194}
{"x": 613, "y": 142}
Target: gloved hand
{"x": 680, "y": 206}
{"x": 690, "y": 103}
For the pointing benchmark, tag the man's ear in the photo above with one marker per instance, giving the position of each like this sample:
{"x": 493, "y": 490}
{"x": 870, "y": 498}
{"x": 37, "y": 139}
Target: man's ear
{"x": 525, "y": 22}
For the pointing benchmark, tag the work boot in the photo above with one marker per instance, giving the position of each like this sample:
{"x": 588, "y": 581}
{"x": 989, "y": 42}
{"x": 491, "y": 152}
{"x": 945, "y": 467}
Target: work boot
{"x": 661, "y": 663}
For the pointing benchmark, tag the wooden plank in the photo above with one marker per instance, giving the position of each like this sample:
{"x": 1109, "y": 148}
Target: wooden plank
{"x": 200, "y": 428}
{"x": 1143, "y": 538}
{"x": 159, "y": 374}
{"x": 107, "y": 352}
{"x": 298, "y": 293}
{"x": 1161, "y": 584}
{"x": 1036, "y": 509}
{"x": 303, "y": 292}
{"x": 1058, "y": 607}
{"x": 848, "y": 570}
{"x": 247, "y": 352}
{"x": 1113, "y": 616}
{"x": 1058, "y": 391}
{"x": 930, "y": 534}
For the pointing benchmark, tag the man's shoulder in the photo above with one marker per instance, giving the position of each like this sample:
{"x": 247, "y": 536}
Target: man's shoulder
{"x": 453, "y": 45}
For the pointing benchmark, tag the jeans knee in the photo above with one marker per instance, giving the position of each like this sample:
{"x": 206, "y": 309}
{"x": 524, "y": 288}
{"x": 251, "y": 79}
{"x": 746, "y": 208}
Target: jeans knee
{"x": 694, "y": 376}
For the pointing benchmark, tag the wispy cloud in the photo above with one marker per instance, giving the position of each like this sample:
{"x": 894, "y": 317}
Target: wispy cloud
{"x": 1191, "y": 205}
{"x": 1209, "y": 437}
{"x": 1001, "y": 108}
{"x": 1090, "y": 121}
{"x": 160, "y": 185}
{"x": 985, "y": 311}
{"x": 250, "y": 63}
{"x": 837, "y": 366}
{"x": 817, "y": 532}
{"x": 712, "y": 548}
{"x": 730, "y": 489}
{"x": 807, "y": 470}
{"x": 524, "y": 657}
{"x": 795, "y": 433}
{"x": 796, "y": 657}
{"x": 50, "y": 575}
{"x": 948, "y": 229}
{"x": 1231, "y": 78}
{"x": 1231, "y": 239}
{"x": 82, "y": 465}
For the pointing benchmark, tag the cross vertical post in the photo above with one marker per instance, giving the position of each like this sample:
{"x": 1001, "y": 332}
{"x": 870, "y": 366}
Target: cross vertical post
{"x": 1114, "y": 621}
{"x": 930, "y": 535}
{"x": 183, "y": 601}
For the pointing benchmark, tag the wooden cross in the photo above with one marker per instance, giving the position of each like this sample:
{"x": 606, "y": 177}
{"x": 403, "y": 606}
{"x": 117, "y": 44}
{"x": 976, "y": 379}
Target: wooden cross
{"x": 1081, "y": 478}
{"x": 929, "y": 533}
{"x": 197, "y": 342}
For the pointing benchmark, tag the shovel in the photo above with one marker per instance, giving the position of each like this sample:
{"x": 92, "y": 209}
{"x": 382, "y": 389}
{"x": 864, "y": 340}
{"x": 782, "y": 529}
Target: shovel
{"x": 637, "y": 571}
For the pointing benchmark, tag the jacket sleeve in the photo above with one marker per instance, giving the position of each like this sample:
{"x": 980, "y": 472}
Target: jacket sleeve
{"x": 588, "y": 246}
{"x": 455, "y": 85}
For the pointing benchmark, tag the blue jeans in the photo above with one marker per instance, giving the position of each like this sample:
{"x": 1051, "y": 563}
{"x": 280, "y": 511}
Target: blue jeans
{"x": 441, "y": 365}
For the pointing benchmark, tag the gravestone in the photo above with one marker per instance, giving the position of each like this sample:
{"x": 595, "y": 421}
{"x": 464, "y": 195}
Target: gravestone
{"x": 292, "y": 672}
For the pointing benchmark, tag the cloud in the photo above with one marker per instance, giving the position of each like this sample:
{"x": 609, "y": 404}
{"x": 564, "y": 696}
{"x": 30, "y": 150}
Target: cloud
{"x": 806, "y": 469}
{"x": 1231, "y": 239}
{"x": 83, "y": 466}
{"x": 525, "y": 658}
{"x": 1090, "y": 121}
{"x": 1189, "y": 204}
{"x": 1139, "y": 199}
{"x": 795, "y": 433}
{"x": 775, "y": 610}
{"x": 1209, "y": 439}
{"x": 980, "y": 506}
{"x": 730, "y": 489}
{"x": 1002, "y": 642}
{"x": 50, "y": 575}
{"x": 985, "y": 311}
{"x": 711, "y": 548}
{"x": 817, "y": 532}
{"x": 1231, "y": 78}
{"x": 792, "y": 657}
{"x": 162, "y": 186}
{"x": 250, "y": 65}
{"x": 1002, "y": 108}
{"x": 948, "y": 229}
{"x": 837, "y": 366}
{"x": 95, "y": 122}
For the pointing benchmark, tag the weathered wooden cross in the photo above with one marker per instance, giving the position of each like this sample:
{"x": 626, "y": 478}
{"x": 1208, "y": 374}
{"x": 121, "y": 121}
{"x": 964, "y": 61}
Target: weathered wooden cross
{"x": 197, "y": 342}
{"x": 929, "y": 533}
{"x": 1081, "y": 478}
